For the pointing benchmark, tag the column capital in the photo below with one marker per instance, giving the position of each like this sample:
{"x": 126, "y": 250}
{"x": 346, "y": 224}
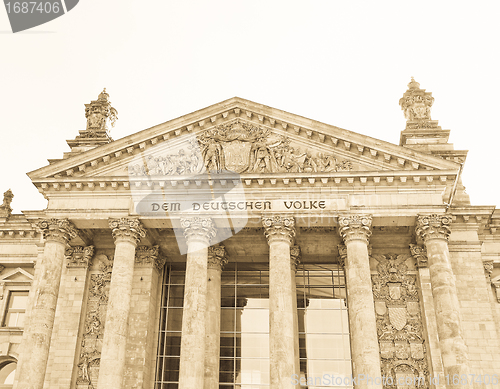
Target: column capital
{"x": 217, "y": 257}
{"x": 295, "y": 255}
{"x": 57, "y": 230}
{"x": 127, "y": 229}
{"x": 419, "y": 253}
{"x": 146, "y": 255}
{"x": 199, "y": 229}
{"x": 279, "y": 228}
{"x": 79, "y": 256}
{"x": 355, "y": 227}
{"x": 433, "y": 227}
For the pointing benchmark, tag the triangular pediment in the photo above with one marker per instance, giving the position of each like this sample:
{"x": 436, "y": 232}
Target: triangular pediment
{"x": 239, "y": 146}
{"x": 16, "y": 275}
{"x": 245, "y": 137}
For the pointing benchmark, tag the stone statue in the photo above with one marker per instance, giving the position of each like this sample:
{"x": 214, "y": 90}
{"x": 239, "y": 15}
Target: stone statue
{"x": 262, "y": 158}
{"x": 84, "y": 369}
{"x": 212, "y": 154}
{"x": 416, "y": 103}
{"x": 289, "y": 161}
{"x": 7, "y": 198}
{"x": 5, "y": 208}
{"x": 98, "y": 112}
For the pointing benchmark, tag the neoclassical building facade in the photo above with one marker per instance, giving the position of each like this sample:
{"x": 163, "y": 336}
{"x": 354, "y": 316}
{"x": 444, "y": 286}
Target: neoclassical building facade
{"x": 241, "y": 246}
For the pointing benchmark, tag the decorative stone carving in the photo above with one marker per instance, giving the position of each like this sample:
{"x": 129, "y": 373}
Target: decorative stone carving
{"x": 98, "y": 112}
{"x": 433, "y": 227}
{"x": 399, "y": 322}
{"x": 127, "y": 228}
{"x": 59, "y": 230}
{"x": 355, "y": 227}
{"x": 488, "y": 269}
{"x": 79, "y": 256}
{"x": 91, "y": 346}
{"x": 5, "y": 208}
{"x": 160, "y": 263}
{"x": 186, "y": 160}
{"x": 199, "y": 228}
{"x": 497, "y": 289}
{"x": 416, "y": 103}
{"x": 279, "y": 228}
{"x": 295, "y": 255}
{"x": 419, "y": 253}
{"x": 238, "y": 147}
{"x": 342, "y": 254}
{"x": 145, "y": 255}
{"x": 217, "y": 257}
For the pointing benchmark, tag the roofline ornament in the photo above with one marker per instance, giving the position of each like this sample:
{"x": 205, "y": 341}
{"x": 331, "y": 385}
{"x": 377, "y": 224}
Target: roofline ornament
{"x": 5, "y": 208}
{"x": 98, "y": 113}
{"x": 416, "y": 104}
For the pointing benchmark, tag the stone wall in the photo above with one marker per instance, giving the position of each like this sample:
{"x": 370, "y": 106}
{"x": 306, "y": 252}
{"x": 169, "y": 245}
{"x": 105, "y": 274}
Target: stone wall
{"x": 143, "y": 323}
{"x": 478, "y": 317}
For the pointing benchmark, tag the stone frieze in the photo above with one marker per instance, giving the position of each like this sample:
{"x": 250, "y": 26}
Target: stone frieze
{"x": 241, "y": 148}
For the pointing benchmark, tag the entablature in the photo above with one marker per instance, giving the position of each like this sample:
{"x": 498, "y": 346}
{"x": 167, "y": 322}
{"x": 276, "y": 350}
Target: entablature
{"x": 403, "y": 179}
{"x": 18, "y": 229}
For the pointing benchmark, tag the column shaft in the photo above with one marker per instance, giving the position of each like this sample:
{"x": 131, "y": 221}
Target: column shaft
{"x": 70, "y": 313}
{"x": 198, "y": 232}
{"x": 142, "y": 331}
{"x": 216, "y": 260}
{"x": 365, "y": 352}
{"x": 127, "y": 233}
{"x": 295, "y": 258}
{"x": 41, "y": 322}
{"x": 444, "y": 292}
{"x": 435, "y": 231}
{"x": 280, "y": 232}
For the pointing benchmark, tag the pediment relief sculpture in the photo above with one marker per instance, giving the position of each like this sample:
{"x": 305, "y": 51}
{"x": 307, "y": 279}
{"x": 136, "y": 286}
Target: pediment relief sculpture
{"x": 241, "y": 148}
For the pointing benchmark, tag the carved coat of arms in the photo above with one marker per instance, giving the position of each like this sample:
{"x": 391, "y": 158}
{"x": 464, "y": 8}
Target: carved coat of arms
{"x": 236, "y": 155}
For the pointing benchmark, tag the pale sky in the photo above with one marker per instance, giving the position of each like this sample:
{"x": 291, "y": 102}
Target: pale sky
{"x": 342, "y": 63}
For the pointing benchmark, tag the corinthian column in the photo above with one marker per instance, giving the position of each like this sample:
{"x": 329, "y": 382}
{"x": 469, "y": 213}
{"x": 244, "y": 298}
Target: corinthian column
{"x": 36, "y": 341}
{"x": 127, "y": 232}
{"x": 355, "y": 231}
{"x": 198, "y": 232}
{"x": 216, "y": 261}
{"x": 434, "y": 230}
{"x": 280, "y": 234}
{"x": 295, "y": 260}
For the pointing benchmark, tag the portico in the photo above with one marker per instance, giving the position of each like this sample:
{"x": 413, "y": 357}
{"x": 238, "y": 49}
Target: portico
{"x": 244, "y": 247}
